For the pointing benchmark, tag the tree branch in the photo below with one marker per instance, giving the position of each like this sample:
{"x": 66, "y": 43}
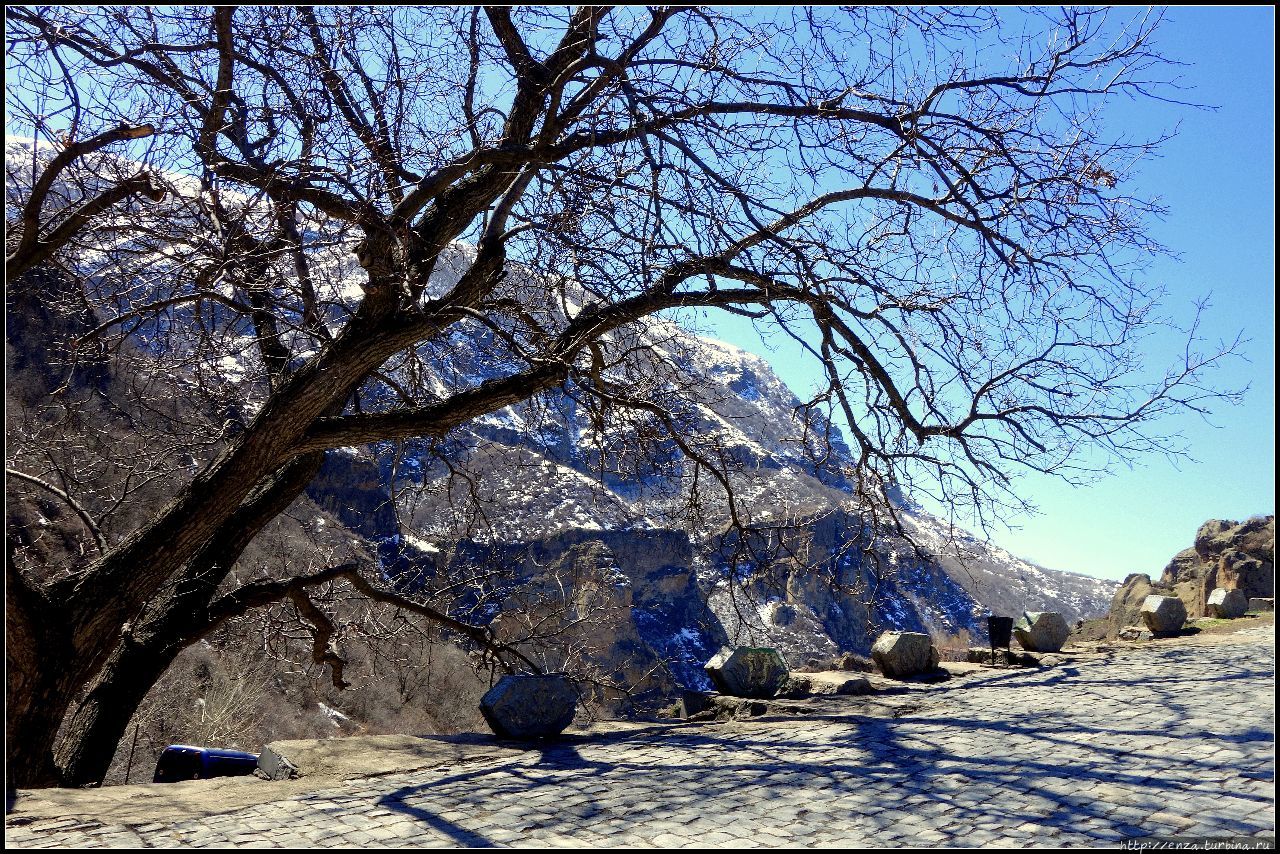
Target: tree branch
{"x": 259, "y": 593}
{"x": 32, "y": 249}
{"x": 98, "y": 539}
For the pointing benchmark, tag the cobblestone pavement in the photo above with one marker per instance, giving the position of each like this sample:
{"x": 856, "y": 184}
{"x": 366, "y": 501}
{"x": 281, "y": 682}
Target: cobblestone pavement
{"x": 1162, "y": 740}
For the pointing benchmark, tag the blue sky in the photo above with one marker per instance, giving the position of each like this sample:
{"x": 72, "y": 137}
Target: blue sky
{"x": 1217, "y": 178}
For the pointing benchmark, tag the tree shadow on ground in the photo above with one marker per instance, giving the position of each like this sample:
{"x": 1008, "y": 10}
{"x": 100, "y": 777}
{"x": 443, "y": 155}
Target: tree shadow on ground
{"x": 973, "y": 764}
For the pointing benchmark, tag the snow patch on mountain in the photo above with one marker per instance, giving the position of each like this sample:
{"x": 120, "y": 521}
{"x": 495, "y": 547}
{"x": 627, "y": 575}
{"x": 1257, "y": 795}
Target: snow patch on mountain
{"x": 543, "y": 468}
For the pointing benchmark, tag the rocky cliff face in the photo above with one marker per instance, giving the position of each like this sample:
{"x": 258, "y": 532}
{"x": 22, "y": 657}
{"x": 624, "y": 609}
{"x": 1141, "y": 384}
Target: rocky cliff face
{"x": 545, "y": 480}
{"x": 1233, "y": 555}
{"x": 542, "y": 471}
{"x": 829, "y": 581}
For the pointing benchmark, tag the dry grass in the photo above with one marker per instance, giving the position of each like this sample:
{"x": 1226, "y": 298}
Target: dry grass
{"x": 951, "y": 646}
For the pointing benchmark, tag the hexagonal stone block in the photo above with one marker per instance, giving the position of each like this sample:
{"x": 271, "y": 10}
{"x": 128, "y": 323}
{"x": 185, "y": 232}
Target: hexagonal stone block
{"x": 1164, "y": 615}
{"x": 904, "y": 654}
{"x": 748, "y": 671}
{"x": 274, "y": 765}
{"x": 525, "y": 707}
{"x": 1227, "y": 604}
{"x": 1042, "y": 631}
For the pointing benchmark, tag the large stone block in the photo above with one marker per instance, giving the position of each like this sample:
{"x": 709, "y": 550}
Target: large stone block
{"x": 1227, "y": 604}
{"x": 748, "y": 671}
{"x": 1042, "y": 631}
{"x": 525, "y": 707}
{"x": 692, "y": 703}
{"x": 274, "y": 765}
{"x": 1260, "y": 605}
{"x": 799, "y": 687}
{"x": 1163, "y": 615}
{"x": 1126, "y": 605}
{"x": 904, "y": 654}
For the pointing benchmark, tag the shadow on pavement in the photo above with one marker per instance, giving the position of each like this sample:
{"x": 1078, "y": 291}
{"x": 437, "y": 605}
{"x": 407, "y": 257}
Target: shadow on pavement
{"x": 918, "y": 764}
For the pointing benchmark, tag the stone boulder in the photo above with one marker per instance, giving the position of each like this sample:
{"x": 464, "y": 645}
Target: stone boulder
{"x": 1002, "y": 657}
{"x": 1261, "y": 605}
{"x": 1164, "y": 615}
{"x": 851, "y": 661}
{"x": 904, "y": 654}
{"x": 526, "y": 707}
{"x": 1042, "y": 631}
{"x": 1227, "y": 604}
{"x": 800, "y": 687}
{"x": 692, "y": 703}
{"x": 854, "y": 686}
{"x": 748, "y": 671}
{"x": 1126, "y": 605}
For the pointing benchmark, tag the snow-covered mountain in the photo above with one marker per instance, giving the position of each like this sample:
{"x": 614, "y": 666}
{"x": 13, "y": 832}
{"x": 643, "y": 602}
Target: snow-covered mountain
{"x": 533, "y": 476}
{"x": 557, "y": 489}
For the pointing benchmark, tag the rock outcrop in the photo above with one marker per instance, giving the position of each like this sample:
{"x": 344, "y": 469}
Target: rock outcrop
{"x": 1232, "y": 555}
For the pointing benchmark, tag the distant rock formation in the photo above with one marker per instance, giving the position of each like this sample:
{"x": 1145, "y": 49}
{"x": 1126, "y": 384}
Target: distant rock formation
{"x": 1232, "y": 555}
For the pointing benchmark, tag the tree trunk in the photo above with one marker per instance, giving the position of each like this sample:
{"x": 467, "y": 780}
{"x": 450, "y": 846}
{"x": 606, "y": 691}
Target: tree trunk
{"x": 32, "y": 721}
{"x": 101, "y": 601}
{"x": 253, "y": 480}
{"x": 96, "y": 727}
{"x": 41, "y": 683}
{"x": 98, "y": 724}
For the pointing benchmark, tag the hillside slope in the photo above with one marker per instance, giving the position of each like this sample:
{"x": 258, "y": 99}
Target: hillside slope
{"x": 555, "y": 489}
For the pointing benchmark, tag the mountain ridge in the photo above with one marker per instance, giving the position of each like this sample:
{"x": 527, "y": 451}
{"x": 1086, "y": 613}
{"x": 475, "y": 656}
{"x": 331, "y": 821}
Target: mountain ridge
{"x": 556, "y": 466}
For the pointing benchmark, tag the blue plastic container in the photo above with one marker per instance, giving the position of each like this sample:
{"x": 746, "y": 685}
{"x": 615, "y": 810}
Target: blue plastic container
{"x": 183, "y": 762}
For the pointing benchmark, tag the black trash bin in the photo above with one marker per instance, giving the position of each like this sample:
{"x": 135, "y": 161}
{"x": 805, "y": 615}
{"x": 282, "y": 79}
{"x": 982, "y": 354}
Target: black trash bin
{"x": 184, "y": 762}
{"x": 1000, "y": 630}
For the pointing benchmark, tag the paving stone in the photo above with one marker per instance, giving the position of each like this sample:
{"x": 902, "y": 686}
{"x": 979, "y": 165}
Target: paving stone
{"x": 1106, "y": 757}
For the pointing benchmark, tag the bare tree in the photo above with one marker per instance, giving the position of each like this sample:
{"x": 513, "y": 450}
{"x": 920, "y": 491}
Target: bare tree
{"x": 329, "y": 201}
